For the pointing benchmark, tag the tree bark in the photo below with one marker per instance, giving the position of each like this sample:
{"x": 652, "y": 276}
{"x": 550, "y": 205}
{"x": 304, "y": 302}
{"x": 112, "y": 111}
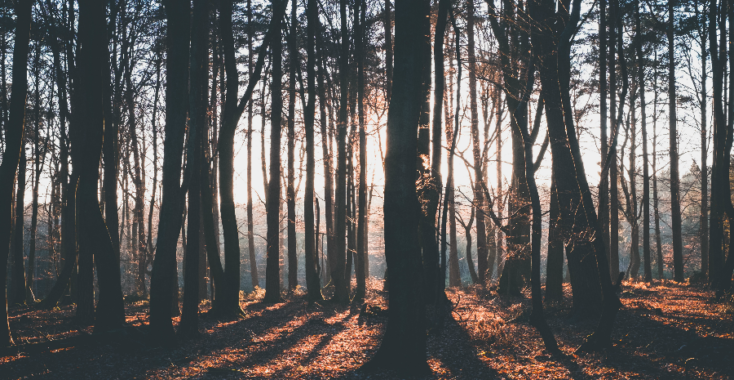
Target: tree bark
{"x": 554, "y": 269}
{"x": 478, "y": 202}
{"x": 250, "y": 224}
{"x": 17, "y": 285}
{"x": 290, "y": 192}
{"x": 360, "y": 12}
{"x": 272, "y": 271}
{"x": 94, "y": 238}
{"x": 13, "y": 145}
{"x": 164, "y": 272}
{"x": 403, "y": 346}
{"x": 311, "y": 249}
{"x": 674, "y": 176}
{"x": 645, "y": 159}
{"x": 338, "y": 264}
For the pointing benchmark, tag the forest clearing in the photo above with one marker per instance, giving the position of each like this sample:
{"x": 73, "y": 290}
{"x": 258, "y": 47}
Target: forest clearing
{"x": 667, "y": 331}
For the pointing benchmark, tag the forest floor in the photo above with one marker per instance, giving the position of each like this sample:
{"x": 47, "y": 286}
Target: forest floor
{"x": 665, "y": 330}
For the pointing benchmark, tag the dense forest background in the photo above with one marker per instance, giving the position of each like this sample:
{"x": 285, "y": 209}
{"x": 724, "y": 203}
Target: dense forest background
{"x": 189, "y": 155}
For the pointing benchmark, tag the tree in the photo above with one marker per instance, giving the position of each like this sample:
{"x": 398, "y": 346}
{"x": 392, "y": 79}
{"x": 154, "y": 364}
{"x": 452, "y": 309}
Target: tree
{"x": 88, "y": 132}
{"x": 478, "y": 177}
{"x": 362, "y": 191}
{"x": 13, "y": 144}
{"x": 290, "y": 191}
{"x": 403, "y": 346}
{"x": 170, "y": 217}
{"x": 312, "y": 258}
{"x": 198, "y": 64}
{"x": 272, "y": 271}
{"x": 674, "y": 176}
{"x": 337, "y": 262}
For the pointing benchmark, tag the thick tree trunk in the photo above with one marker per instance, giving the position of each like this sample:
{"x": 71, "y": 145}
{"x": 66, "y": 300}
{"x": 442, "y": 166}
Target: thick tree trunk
{"x": 94, "y": 238}
{"x": 403, "y": 346}
{"x": 198, "y": 76}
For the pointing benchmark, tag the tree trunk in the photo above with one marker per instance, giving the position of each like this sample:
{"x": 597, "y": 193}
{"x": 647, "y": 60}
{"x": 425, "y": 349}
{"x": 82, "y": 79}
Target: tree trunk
{"x": 326, "y": 154}
{"x": 655, "y": 199}
{"x": 704, "y": 227}
{"x": 478, "y": 202}
{"x": 604, "y": 185}
{"x": 360, "y": 13}
{"x": 554, "y": 269}
{"x": 37, "y": 168}
{"x": 272, "y": 271}
{"x": 674, "y": 176}
{"x": 164, "y": 272}
{"x": 337, "y": 264}
{"x": 403, "y": 346}
{"x": 614, "y": 37}
{"x": 17, "y": 285}
{"x": 311, "y": 249}
{"x": 250, "y": 224}
{"x": 94, "y": 238}
{"x": 13, "y": 145}
{"x": 645, "y": 159}
{"x": 290, "y": 192}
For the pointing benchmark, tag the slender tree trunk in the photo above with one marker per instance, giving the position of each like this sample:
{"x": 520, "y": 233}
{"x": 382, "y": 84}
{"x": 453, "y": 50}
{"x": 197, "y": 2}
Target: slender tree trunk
{"x": 645, "y": 159}
{"x": 231, "y": 300}
{"x": 704, "y": 228}
{"x": 338, "y": 265}
{"x": 250, "y": 223}
{"x": 449, "y": 202}
{"x": 272, "y": 271}
{"x": 311, "y": 249}
{"x": 326, "y": 155}
{"x": 478, "y": 202}
{"x": 632, "y": 205}
{"x": 37, "y": 168}
{"x": 362, "y": 190}
{"x": 655, "y": 198}
{"x": 164, "y": 278}
{"x": 554, "y": 269}
{"x": 388, "y": 50}
{"x": 290, "y": 192}
{"x": 614, "y": 57}
{"x": 674, "y": 176}
{"x": 18, "y": 282}
{"x": 604, "y": 186}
